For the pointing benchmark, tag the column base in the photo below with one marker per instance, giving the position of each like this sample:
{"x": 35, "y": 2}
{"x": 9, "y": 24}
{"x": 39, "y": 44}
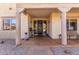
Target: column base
{"x": 18, "y": 42}
{"x": 64, "y": 44}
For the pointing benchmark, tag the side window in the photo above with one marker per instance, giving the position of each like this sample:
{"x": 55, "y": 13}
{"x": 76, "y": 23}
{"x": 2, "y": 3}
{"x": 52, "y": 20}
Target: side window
{"x": 9, "y": 24}
{"x": 72, "y": 25}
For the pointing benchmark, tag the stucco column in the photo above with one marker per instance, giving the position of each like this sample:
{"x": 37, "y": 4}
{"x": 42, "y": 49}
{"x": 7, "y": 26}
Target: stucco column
{"x": 78, "y": 25}
{"x": 63, "y": 28}
{"x": 18, "y": 26}
{"x": 63, "y": 25}
{"x": 1, "y": 24}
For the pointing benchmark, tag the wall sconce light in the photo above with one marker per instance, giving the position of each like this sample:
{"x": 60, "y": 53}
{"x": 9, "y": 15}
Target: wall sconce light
{"x": 10, "y": 8}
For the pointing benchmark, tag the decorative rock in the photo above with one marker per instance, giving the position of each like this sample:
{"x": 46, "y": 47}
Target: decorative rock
{"x": 1, "y": 42}
{"x": 67, "y": 51}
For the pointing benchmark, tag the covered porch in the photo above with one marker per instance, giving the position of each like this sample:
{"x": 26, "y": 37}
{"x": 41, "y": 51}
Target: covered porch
{"x": 57, "y": 24}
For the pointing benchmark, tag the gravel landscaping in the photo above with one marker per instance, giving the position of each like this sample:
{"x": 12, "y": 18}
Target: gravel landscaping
{"x": 65, "y": 51}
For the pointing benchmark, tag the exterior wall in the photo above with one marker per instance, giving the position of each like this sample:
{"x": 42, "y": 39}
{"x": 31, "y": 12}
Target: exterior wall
{"x": 5, "y": 12}
{"x": 78, "y": 25}
{"x": 50, "y": 27}
{"x": 7, "y": 34}
{"x": 0, "y": 24}
{"x": 55, "y": 24}
{"x": 46, "y": 5}
{"x": 24, "y": 25}
{"x": 29, "y": 24}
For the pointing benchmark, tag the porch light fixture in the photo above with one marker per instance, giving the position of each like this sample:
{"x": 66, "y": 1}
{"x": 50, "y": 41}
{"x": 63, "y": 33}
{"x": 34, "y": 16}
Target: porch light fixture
{"x": 10, "y": 8}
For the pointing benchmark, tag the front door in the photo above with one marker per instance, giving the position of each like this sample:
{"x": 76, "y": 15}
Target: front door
{"x": 40, "y": 27}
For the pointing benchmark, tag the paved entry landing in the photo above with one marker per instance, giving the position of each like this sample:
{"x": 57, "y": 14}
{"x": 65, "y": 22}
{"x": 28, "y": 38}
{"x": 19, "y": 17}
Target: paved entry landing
{"x": 32, "y": 48}
{"x": 42, "y": 41}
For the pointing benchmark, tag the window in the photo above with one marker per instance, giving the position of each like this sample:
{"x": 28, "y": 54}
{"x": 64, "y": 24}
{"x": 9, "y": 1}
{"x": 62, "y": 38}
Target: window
{"x": 9, "y": 24}
{"x": 71, "y": 25}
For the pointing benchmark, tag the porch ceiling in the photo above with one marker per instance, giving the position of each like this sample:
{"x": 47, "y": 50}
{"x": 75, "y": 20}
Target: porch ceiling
{"x": 45, "y": 12}
{"x": 41, "y": 12}
{"x": 74, "y": 10}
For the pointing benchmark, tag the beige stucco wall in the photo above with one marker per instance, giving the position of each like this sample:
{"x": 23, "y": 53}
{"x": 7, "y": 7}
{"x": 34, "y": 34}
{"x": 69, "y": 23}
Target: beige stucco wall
{"x": 78, "y": 25}
{"x": 25, "y": 25}
{"x": 50, "y": 26}
{"x": 46, "y": 5}
{"x": 4, "y": 11}
{"x": 55, "y": 23}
